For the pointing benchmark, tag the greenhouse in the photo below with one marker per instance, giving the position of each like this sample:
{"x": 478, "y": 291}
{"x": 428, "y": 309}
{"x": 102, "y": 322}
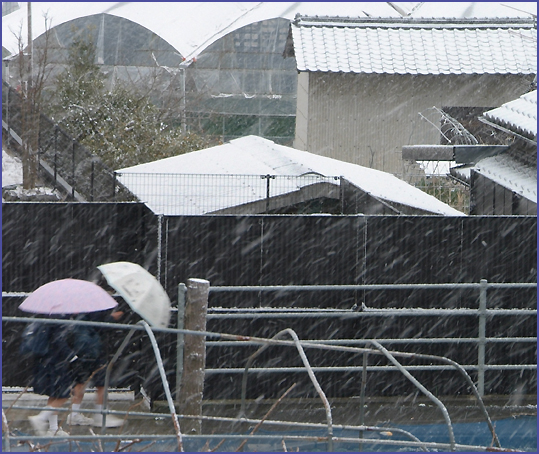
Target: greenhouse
{"x": 218, "y": 67}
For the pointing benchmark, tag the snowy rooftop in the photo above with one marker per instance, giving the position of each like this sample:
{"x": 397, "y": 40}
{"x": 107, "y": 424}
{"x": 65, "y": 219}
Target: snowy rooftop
{"x": 236, "y": 168}
{"x": 510, "y": 174}
{"x": 190, "y": 27}
{"x": 519, "y": 116}
{"x": 404, "y": 46}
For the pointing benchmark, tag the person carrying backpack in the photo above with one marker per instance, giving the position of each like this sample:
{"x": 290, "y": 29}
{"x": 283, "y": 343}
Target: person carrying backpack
{"x": 52, "y": 377}
{"x": 88, "y": 346}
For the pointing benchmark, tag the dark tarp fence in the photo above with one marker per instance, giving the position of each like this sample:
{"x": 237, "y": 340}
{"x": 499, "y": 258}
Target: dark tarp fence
{"x": 48, "y": 241}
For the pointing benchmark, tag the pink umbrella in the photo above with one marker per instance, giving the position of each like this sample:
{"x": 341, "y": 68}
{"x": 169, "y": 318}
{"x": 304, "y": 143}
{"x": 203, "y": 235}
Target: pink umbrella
{"x": 68, "y": 296}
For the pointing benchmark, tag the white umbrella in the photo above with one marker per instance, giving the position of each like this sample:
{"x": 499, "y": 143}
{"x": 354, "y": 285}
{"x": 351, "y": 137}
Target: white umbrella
{"x": 141, "y": 290}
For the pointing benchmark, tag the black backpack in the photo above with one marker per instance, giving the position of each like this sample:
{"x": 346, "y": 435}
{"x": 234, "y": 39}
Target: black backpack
{"x": 35, "y": 339}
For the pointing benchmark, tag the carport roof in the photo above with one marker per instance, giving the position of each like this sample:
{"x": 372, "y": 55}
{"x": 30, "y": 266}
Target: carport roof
{"x": 255, "y": 156}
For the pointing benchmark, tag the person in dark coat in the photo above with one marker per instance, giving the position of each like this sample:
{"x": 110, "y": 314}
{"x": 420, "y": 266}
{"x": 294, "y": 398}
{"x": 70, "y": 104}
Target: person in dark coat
{"x": 87, "y": 344}
{"x": 52, "y": 377}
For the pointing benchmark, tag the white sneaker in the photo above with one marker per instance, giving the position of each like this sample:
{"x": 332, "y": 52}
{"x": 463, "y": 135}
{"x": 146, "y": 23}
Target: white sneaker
{"x": 38, "y": 424}
{"x": 78, "y": 419}
{"x": 112, "y": 421}
{"x": 56, "y": 433}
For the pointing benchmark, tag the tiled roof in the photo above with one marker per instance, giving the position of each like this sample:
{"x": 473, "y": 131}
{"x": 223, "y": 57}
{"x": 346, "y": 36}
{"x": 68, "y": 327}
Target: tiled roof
{"x": 519, "y": 116}
{"x": 412, "y": 46}
{"x": 510, "y": 174}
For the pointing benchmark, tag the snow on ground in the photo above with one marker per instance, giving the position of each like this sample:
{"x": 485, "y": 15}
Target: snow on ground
{"x": 11, "y": 169}
{"x": 12, "y": 176}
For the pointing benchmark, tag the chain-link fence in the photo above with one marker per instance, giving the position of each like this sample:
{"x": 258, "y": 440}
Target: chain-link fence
{"x": 190, "y": 194}
{"x": 446, "y": 189}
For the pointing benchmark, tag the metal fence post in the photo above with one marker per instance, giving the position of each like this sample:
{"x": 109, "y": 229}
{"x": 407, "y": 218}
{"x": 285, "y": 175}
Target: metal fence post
{"x": 194, "y": 360}
{"x": 482, "y": 335}
{"x": 55, "y": 156}
{"x": 182, "y": 290}
{"x": 92, "y": 182}
{"x": 362, "y": 398}
{"x": 73, "y": 144}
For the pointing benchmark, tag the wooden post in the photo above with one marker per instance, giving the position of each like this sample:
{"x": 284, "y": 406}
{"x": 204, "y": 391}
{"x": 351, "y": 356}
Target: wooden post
{"x": 194, "y": 357}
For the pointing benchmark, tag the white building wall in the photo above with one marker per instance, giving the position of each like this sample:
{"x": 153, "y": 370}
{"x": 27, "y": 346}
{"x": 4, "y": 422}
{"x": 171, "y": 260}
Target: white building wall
{"x": 365, "y": 119}
{"x": 302, "y": 112}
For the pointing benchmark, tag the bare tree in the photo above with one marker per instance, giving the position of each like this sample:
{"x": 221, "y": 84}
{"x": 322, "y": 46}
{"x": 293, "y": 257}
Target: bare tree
{"x": 32, "y": 72}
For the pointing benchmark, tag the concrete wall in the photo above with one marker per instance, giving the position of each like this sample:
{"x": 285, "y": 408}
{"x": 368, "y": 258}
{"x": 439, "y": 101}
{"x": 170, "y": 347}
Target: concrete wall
{"x": 365, "y": 119}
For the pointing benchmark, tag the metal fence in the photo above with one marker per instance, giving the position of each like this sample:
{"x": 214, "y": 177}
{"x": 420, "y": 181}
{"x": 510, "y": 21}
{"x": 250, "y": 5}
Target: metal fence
{"x": 365, "y": 349}
{"x": 483, "y": 314}
{"x": 194, "y": 194}
{"x": 445, "y": 188}
{"x": 329, "y": 437}
{"x": 62, "y": 160}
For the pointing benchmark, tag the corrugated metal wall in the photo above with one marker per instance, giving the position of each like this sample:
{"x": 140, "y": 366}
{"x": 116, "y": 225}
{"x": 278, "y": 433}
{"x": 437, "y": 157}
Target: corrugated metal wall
{"x": 365, "y": 119}
{"x": 490, "y": 198}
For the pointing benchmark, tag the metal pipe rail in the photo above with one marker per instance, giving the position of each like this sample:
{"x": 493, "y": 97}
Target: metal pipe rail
{"x": 428, "y": 340}
{"x": 379, "y": 349}
{"x": 440, "y": 447}
{"x": 307, "y": 368}
{"x": 481, "y": 312}
{"x": 369, "y": 313}
{"x": 276, "y": 370}
{"x": 310, "y": 288}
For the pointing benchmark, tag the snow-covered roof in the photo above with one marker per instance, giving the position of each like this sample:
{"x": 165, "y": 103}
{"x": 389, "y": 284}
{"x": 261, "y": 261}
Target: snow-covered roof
{"x": 519, "y": 116}
{"x": 237, "y": 168}
{"x": 511, "y": 174}
{"x": 411, "y": 46}
{"x": 190, "y": 27}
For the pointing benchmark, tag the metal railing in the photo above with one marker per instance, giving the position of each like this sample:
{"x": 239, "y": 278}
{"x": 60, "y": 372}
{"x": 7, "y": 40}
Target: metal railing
{"x": 331, "y": 438}
{"x": 369, "y": 347}
{"x": 70, "y": 166}
{"x": 195, "y": 194}
{"x": 482, "y": 313}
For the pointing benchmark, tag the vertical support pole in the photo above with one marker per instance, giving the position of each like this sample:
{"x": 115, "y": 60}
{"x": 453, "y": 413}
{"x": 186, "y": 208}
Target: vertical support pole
{"x": 73, "y": 168}
{"x": 482, "y": 336}
{"x": 55, "y": 156}
{"x": 159, "y": 245}
{"x": 267, "y": 192}
{"x": 341, "y": 194}
{"x": 194, "y": 358}
{"x": 182, "y": 290}
{"x": 7, "y": 101}
{"x": 92, "y": 182}
{"x": 267, "y": 178}
{"x": 113, "y": 185}
{"x": 183, "y": 103}
{"x": 362, "y": 398}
